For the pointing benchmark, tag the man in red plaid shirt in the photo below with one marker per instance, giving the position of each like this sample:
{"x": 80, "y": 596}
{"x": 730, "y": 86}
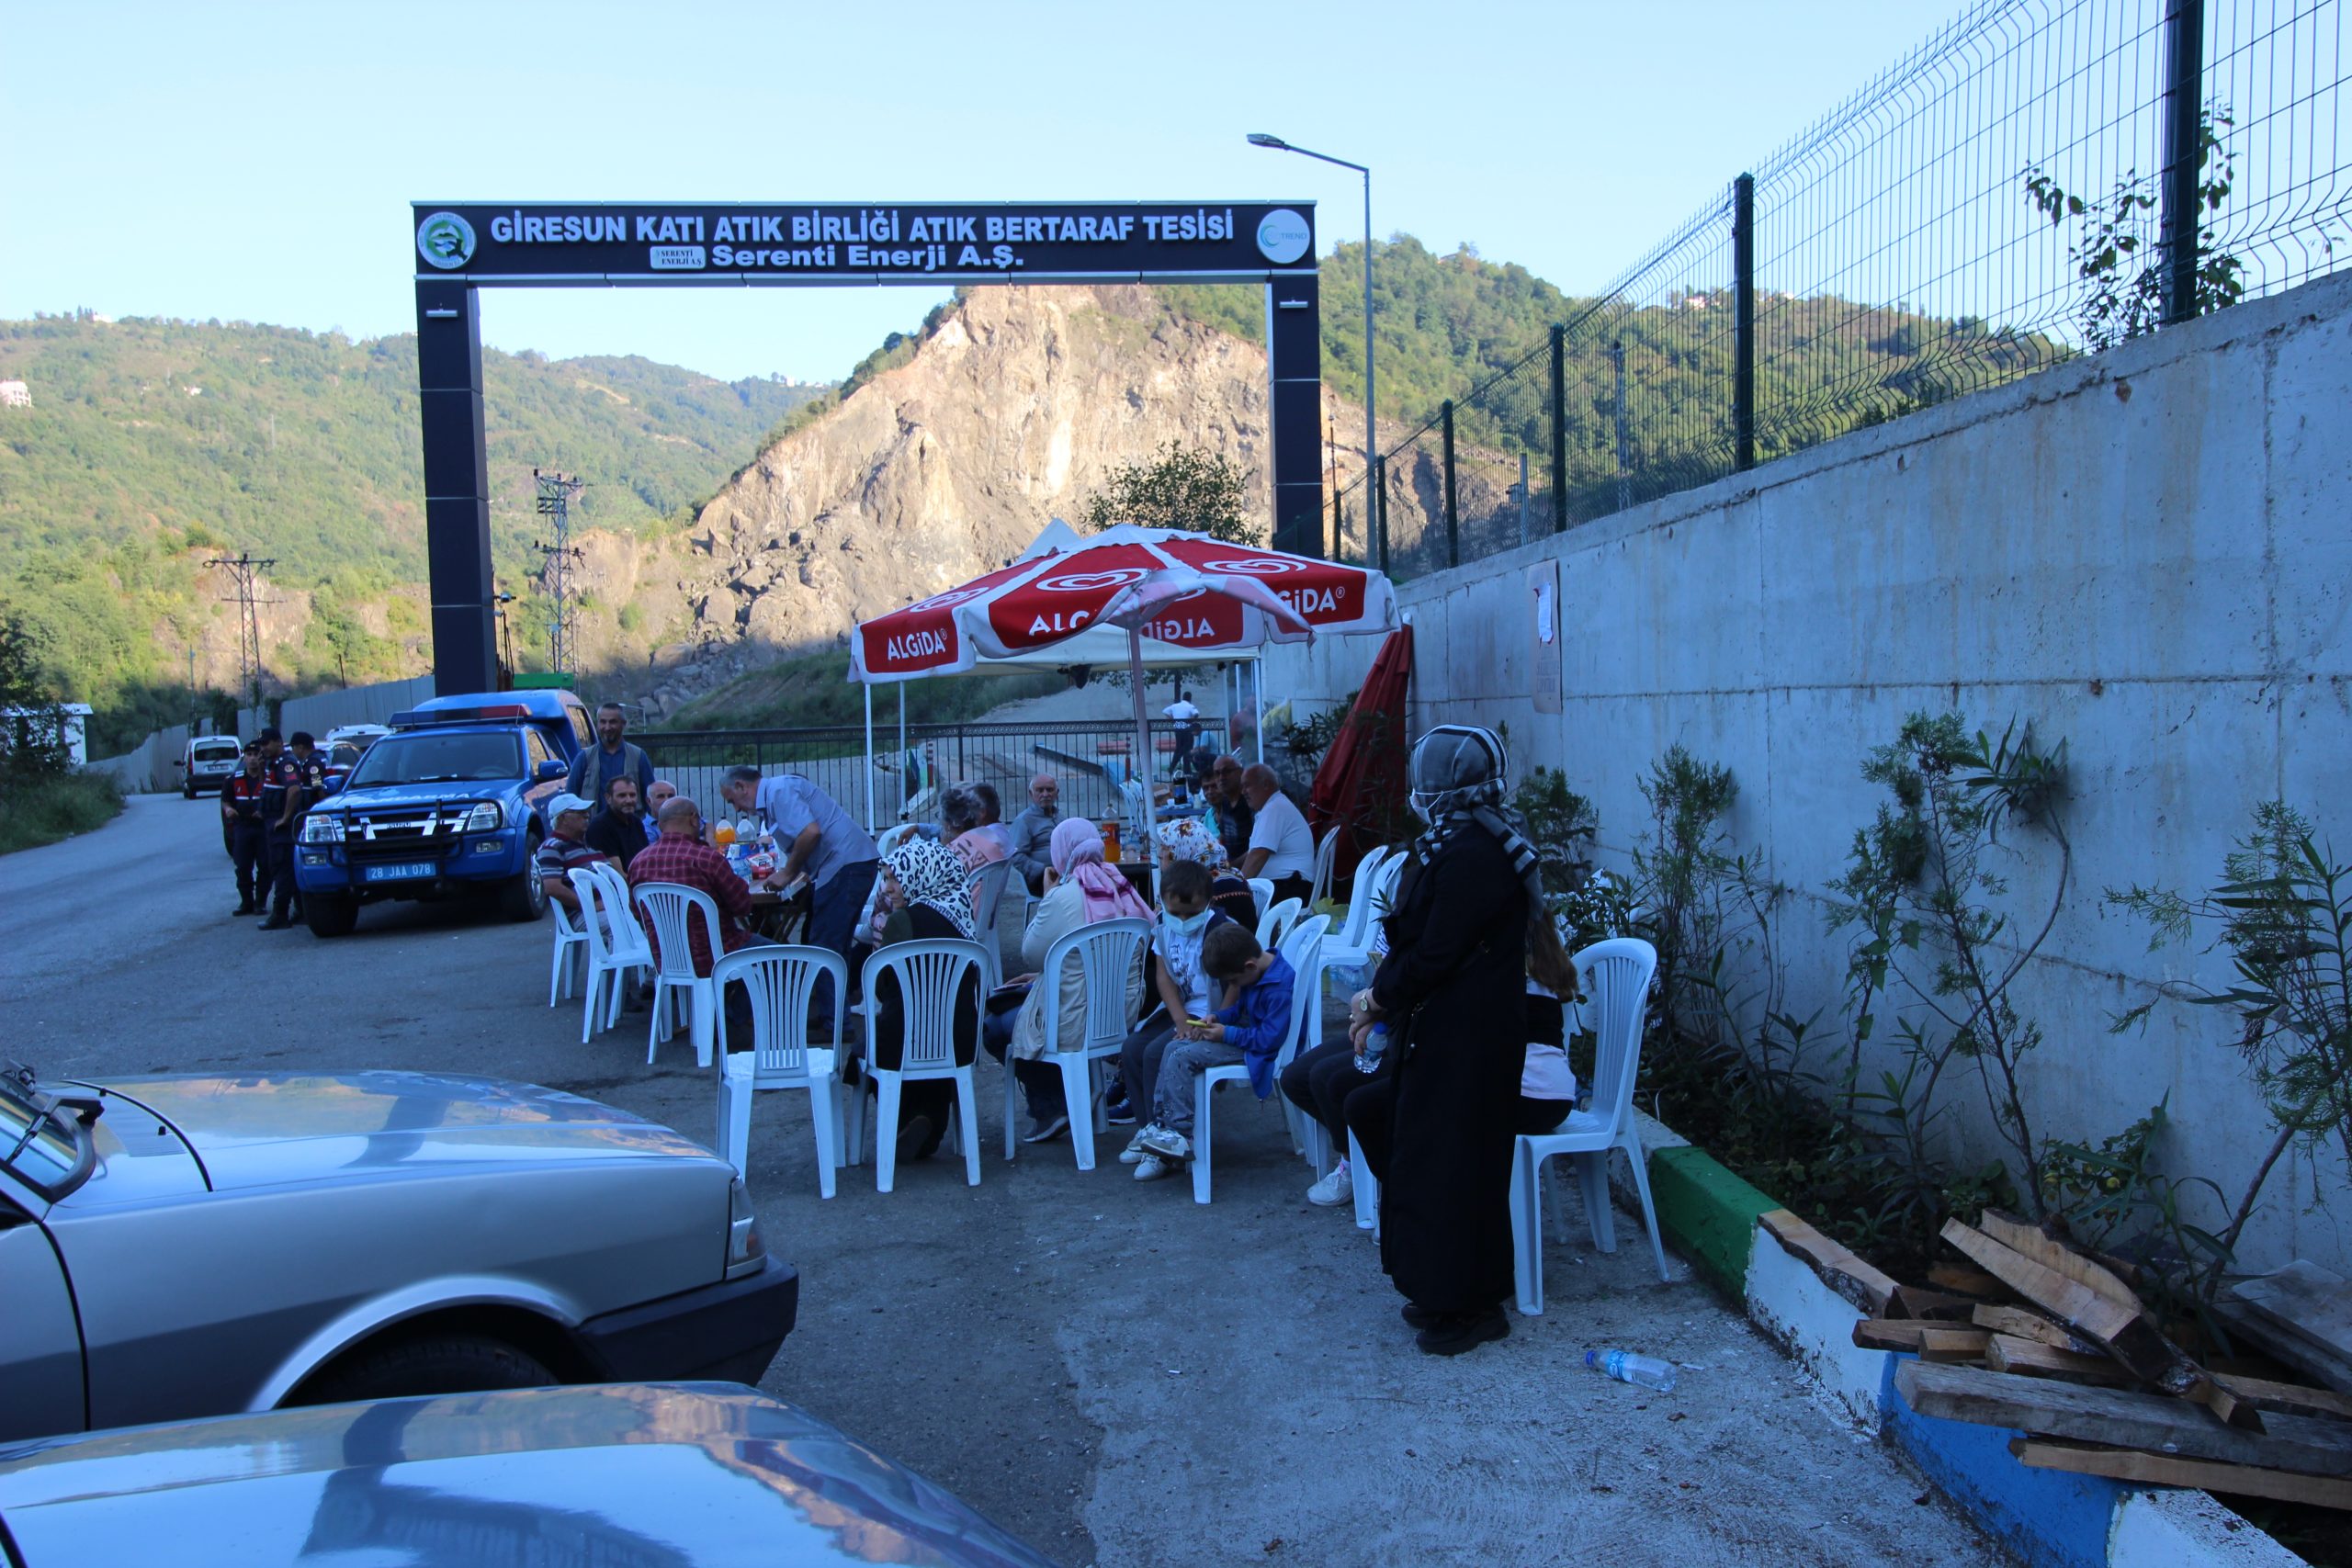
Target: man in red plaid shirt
{"x": 679, "y": 855}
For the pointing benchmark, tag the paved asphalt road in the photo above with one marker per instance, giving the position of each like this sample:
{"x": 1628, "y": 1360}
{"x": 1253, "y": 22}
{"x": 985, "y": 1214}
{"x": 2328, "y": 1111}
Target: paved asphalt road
{"x": 1117, "y": 1373}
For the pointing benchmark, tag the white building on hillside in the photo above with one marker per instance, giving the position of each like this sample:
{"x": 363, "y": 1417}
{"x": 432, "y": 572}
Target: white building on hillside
{"x": 15, "y": 395}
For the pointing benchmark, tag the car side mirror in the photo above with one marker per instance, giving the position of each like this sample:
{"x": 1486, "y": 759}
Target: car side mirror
{"x": 551, "y": 769}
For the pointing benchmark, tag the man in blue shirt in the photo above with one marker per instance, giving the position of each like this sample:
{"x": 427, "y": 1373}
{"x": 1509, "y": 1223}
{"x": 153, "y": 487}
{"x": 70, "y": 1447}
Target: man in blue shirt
{"x": 821, "y": 841}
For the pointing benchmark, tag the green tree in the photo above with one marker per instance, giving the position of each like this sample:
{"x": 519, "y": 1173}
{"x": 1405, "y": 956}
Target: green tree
{"x": 1183, "y": 487}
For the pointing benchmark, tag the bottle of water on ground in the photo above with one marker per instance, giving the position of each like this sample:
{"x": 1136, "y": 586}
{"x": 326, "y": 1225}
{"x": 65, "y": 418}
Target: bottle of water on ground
{"x": 1375, "y": 1041}
{"x": 1645, "y": 1372}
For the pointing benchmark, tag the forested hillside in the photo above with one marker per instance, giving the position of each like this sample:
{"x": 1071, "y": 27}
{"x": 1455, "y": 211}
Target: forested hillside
{"x": 150, "y": 445}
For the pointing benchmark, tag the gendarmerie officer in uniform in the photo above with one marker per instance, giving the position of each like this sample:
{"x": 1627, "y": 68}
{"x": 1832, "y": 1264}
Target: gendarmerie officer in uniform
{"x": 293, "y": 782}
{"x": 248, "y": 838}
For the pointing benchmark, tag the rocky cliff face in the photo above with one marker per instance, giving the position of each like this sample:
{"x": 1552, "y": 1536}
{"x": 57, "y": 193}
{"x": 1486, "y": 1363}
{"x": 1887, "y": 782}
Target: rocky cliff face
{"x": 1009, "y": 412}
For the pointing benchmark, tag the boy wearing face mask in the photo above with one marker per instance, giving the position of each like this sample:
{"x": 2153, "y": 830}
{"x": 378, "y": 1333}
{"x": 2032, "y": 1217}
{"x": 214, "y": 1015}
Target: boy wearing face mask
{"x": 1185, "y": 990}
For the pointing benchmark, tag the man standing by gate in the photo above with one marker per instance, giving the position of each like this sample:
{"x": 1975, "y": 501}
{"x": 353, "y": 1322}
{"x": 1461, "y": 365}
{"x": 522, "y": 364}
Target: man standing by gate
{"x": 594, "y": 771}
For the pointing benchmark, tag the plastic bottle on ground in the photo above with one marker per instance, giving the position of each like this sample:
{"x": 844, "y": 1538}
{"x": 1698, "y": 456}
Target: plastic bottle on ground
{"x": 1646, "y": 1371}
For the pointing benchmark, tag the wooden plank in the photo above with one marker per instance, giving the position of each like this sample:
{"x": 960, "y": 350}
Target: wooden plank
{"x": 2030, "y": 1358}
{"x": 2303, "y": 1315}
{"x": 2228, "y": 1407}
{"x": 2053, "y": 1254}
{"x": 1849, "y": 1276}
{"x": 1952, "y": 1344}
{"x": 2167, "y": 1469}
{"x": 1964, "y": 1281}
{"x": 2124, "y": 1331}
{"x": 1888, "y": 1334}
{"x": 1910, "y": 1301}
{"x": 2123, "y": 1418}
{"x": 2265, "y": 1394}
{"x": 2024, "y": 1323}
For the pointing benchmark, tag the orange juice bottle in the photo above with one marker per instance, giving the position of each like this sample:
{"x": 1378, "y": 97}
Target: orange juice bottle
{"x": 1111, "y": 842}
{"x": 723, "y": 835}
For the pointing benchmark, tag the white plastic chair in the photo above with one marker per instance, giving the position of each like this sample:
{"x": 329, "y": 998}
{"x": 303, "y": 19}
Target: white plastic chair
{"x": 669, "y": 907}
{"x": 782, "y": 984}
{"x": 570, "y": 942}
{"x": 986, "y": 888}
{"x": 1274, "y": 924}
{"x": 1615, "y": 978}
{"x": 928, "y": 975}
{"x": 616, "y": 948}
{"x": 1261, "y": 892}
{"x": 1106, "y": 951}
{"x": 1327, "y": 859}
{"x": 1304, "y": 948}
{"x": 1365, "y": 1186}
{"x": 1350, "y": 946}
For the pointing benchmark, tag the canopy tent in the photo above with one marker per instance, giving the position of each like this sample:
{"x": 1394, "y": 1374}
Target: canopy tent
{"x": 1202, "y": 598}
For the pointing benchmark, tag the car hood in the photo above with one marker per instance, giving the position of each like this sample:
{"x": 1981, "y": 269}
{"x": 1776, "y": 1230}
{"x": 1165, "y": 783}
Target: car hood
{"x": 661, "y": 1475}
{"x": 380, "y": 796}
{"x": 261, "y": 1132}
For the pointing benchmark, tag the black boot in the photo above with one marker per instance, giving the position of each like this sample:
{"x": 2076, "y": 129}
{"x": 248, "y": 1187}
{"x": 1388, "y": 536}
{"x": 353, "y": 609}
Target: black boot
{"x": 1457, "y": 1332}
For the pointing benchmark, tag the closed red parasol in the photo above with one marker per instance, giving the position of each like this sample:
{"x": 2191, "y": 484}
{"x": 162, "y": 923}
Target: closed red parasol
{"x": 1360, "y": 788}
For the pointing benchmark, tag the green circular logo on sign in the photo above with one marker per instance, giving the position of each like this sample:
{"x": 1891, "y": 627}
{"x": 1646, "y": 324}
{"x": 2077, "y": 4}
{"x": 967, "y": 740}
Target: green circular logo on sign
{"x": 446, "y": 240}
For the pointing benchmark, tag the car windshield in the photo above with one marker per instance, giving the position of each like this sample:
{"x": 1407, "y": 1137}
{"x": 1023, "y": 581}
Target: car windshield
{"x": 478, "y": 757}
{"x": 39, "y": 1146}
{"x": 342, "y": 754}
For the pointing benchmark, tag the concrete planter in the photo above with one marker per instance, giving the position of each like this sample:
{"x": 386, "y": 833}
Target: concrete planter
{"x": 2048, "y": 1519}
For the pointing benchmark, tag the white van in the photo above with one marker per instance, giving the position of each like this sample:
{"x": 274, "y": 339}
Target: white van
{"x": 207, "y": 763}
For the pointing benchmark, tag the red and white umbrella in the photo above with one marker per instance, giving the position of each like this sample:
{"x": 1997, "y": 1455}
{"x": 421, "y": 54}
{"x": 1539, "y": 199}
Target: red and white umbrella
{"x": 1186, "y": 590}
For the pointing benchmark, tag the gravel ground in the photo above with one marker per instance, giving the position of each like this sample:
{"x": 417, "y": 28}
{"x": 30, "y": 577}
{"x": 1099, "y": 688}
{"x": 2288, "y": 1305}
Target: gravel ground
{"x": 1115, "y": 1372}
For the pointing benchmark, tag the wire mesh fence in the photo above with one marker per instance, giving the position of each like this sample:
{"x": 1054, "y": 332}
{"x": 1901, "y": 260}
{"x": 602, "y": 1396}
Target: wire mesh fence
{"x": 2040, "y": 179}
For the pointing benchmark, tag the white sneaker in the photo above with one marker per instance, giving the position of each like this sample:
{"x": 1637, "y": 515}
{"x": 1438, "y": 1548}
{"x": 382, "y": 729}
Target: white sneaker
{"x": 1333, "y": 1190}
{"x": 1135, "y": 1152}
{"x": 1151, "y": 1168}
{"x": 1167, "y": 1145}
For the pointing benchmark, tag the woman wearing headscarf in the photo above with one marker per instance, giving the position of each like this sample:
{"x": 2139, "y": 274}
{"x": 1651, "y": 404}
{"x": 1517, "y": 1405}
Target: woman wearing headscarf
{"x": 1453, "y": 992}
{"x": 922, "y": 891}
{"x": 1193, "y": 838}
{"x": 1080, "y": 889}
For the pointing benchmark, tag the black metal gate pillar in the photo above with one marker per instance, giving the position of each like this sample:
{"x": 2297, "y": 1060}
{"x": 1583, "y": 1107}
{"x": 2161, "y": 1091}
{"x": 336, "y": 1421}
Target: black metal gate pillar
{"x": 1295, "y": 364}
{"x": 457, "y": 488}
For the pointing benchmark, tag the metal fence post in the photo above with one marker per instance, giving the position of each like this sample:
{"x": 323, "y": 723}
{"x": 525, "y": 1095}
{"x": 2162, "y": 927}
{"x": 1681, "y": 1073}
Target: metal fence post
{"x": 1743, "y": 264}
{"x": 1453, "y": 517}
{"x": 1624, "y": 445}
{"x": 2184, "y": 155}
{"x": 1379, "y": 515}
{"x": 1559, "y": 428}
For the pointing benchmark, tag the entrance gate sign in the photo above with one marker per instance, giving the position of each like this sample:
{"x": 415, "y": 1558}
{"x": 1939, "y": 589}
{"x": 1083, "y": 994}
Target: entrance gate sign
{"x": 463, "y": 247}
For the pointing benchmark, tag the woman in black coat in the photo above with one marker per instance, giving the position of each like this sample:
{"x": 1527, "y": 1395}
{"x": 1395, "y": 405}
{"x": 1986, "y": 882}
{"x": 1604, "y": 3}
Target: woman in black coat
{"x": 1452, "y": 991}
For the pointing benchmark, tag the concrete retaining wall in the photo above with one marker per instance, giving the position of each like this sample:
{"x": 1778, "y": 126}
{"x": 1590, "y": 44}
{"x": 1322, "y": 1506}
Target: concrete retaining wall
{"x": 2147, "y": 554}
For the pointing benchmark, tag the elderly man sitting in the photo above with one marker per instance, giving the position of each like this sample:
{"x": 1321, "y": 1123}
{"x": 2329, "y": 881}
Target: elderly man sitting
{"x": 1033, "y": 831}
{"x": 564, "y": 851}
{"x": 1282, "y": 847}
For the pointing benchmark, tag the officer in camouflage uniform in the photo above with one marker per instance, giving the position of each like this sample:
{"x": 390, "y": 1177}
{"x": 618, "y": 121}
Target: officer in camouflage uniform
{"x": 296, "y": 780}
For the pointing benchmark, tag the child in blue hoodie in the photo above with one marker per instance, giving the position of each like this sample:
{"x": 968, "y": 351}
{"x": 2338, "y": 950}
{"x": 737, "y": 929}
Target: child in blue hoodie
{"x": 1249, "y": 1029}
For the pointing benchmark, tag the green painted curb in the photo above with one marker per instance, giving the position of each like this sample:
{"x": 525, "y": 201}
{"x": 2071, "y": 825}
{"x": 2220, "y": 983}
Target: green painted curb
{"x": 1709, "y": 1212}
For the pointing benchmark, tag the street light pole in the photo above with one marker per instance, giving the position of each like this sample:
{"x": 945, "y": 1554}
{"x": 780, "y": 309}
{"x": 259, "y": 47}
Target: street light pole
{"x": 1371, "y": 438}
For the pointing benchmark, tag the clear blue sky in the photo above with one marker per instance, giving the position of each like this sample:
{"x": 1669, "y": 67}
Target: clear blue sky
{"x": 255, "y": 161}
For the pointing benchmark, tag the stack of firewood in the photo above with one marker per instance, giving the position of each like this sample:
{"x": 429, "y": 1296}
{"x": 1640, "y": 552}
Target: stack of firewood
{"x": 2020, "y": 1329}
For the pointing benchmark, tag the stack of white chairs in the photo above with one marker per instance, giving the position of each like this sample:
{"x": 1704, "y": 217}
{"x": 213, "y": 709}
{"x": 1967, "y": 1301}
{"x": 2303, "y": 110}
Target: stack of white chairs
{"x": 1107, "y": 953}
{"x": 1304, "y": 949}
{"x": 781, "y": 983}
{"x": 928, "y": 975}
{"x": 616, "y": 944}
{"x": 1614, "y": 977}
{"x": 1274, "y": 924}
{"x": 669, "y": 908}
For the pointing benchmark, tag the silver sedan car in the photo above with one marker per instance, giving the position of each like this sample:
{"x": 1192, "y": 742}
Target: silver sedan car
{"x": 183, "y": 1246}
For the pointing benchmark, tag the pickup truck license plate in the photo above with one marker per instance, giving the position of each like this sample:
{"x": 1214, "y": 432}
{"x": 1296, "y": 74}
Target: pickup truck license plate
{"x": 402, "y": 870}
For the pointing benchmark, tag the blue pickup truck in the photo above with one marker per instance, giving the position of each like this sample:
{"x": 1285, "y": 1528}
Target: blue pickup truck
{"x": 452, "y": 803}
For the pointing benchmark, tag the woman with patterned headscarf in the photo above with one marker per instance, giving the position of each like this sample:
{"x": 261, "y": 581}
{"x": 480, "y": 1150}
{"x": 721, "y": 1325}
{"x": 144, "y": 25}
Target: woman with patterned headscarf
{"x": 923, "y": 888}
{"x": 1193, "y": 838}
{"x": 1453, "y": 992}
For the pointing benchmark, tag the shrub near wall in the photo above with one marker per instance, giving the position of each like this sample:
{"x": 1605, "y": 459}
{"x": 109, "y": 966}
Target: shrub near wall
{"x": 41, "y": 811}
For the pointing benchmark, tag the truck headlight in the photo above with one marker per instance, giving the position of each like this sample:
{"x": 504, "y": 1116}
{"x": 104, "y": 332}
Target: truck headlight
{"x": 484, "y": 818}
{"x": 744, "y": 1241}
{"x": 317, "y": 830}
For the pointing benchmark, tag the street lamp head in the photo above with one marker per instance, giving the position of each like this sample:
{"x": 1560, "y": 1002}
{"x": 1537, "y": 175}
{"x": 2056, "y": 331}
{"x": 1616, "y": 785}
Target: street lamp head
{"x": 1260, "y": 138}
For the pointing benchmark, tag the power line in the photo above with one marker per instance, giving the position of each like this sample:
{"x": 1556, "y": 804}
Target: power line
{"x": 244, "y": 570}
